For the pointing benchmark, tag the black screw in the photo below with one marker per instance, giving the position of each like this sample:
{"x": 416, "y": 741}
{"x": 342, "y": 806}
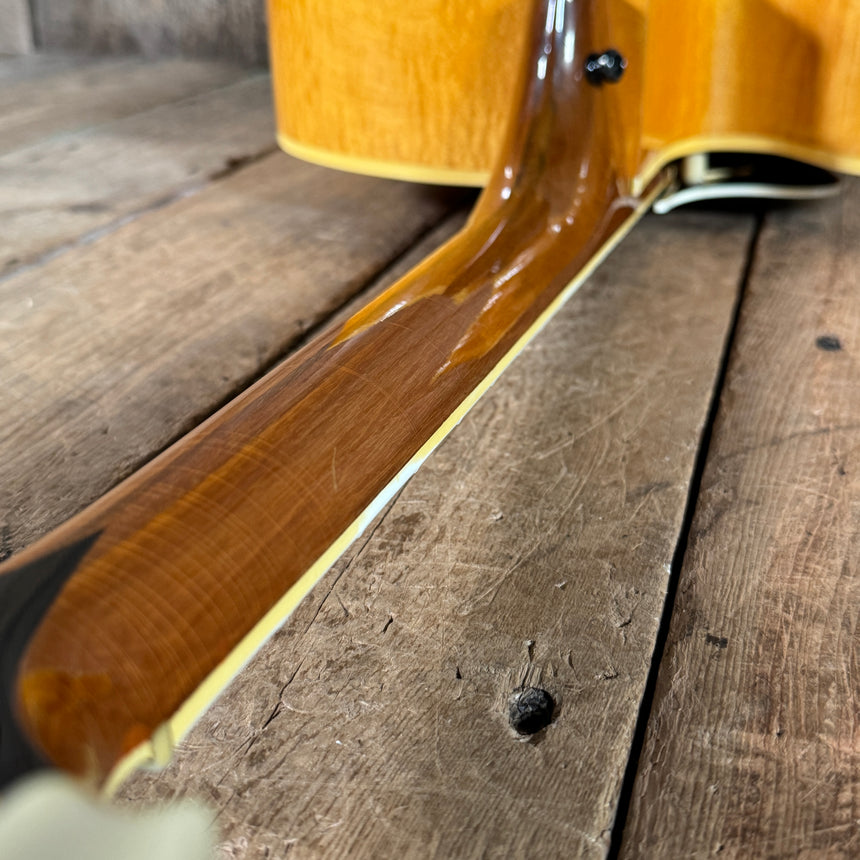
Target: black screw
{"x": 531, "y": 710}
{"x": 607, "y": 66}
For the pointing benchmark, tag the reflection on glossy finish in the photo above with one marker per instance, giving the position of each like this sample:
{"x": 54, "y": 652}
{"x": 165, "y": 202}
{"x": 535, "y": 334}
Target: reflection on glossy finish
{"x": 557, "y": 176}
{"x": 768, "y": 76}
{"x": 200, "y": 545}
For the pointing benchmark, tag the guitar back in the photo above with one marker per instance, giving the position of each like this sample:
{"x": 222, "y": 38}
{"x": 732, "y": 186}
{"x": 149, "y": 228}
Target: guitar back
{"x": 422, "y": 90}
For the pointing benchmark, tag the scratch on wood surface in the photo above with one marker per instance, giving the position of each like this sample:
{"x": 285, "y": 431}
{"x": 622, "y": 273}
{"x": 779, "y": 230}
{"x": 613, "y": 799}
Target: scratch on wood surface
{"x": 607, "y": 674}
{"x": 652, "y": 495}
{"x": 368, "y": 535}
{"x": 280, "y": 706}
{"x": 345, "y": 610}
{"x": 387, "y": 396}
{"x": 603, "y": 419}
{"x": 525, "y": 675}
{"x": 486, "y": 597}
{"x": 778, "y": 441}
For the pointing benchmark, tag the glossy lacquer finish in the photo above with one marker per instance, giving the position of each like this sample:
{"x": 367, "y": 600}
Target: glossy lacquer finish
{"x": 418, "y": 90}
{"x": 169, "y": 574}
{"x": 363, "y": 84}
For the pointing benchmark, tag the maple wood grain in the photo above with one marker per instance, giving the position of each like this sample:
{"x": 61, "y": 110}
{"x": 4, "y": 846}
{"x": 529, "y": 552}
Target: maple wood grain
{"x": 396, "y": 88}
{"x": 391, "y": 89}
{"x": 188, "y": 554}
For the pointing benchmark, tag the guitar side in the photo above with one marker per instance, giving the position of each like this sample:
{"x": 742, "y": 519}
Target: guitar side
{"x": 366, "y": 86}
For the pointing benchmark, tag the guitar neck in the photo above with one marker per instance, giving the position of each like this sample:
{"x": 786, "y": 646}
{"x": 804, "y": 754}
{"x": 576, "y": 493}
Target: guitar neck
{"x": 132, "y": 616}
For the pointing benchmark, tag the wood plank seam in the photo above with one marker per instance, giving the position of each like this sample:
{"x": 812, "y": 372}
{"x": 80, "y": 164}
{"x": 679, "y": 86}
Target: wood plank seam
{"x": 233, "y": 166}
{"x": 46, "y": 95}
{"x": 82, "y": 181}
{"x": 483, "y": 568}
{"x": 752, "y": 746}
{"x": 638, "y": 740}
{"x": 35, "y": 26}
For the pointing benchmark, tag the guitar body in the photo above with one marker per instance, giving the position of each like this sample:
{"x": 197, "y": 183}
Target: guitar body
{"x": 423, "y": 90}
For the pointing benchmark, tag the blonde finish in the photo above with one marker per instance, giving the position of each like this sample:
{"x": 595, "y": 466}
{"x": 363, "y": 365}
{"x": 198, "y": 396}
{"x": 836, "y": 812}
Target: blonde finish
{"x": 397, "y": 83}
{"x": 422, "y": 89}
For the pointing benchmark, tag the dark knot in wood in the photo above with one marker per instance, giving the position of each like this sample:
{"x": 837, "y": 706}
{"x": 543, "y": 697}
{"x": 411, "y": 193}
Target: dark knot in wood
{"x": 828, "y": 342}
{"x": 531, "y": 710}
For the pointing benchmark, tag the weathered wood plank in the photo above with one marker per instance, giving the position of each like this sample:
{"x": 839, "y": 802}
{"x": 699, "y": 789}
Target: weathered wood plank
{"x": 46, "y": 95}
{"x": 534, "y": 548}
{"x": 68, "y": 186}
{"x": 32, "y": 66}
{"x": 234, "y": 30}
{"x": 115, "y": 348}
{"x": 752, "y": 746}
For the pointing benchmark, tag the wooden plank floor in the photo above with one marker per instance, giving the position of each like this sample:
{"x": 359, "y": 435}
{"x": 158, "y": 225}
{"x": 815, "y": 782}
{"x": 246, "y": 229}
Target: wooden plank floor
{"x": 753, "y": 746}
{"x": 701, "y": 647}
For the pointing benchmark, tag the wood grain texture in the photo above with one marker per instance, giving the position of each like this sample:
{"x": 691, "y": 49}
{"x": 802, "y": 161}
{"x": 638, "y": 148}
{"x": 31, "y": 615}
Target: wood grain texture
{"x": 67, "y": 187}
{"x": 253, "y": 506}
{"x": 112, "y": 350}
{"x": 49, "y": 94}
{"x": 752, "y": 747}
{"x": 533, "y": 547}
{"x": 200, "y": 28}
{"x": 428, "y": 84}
